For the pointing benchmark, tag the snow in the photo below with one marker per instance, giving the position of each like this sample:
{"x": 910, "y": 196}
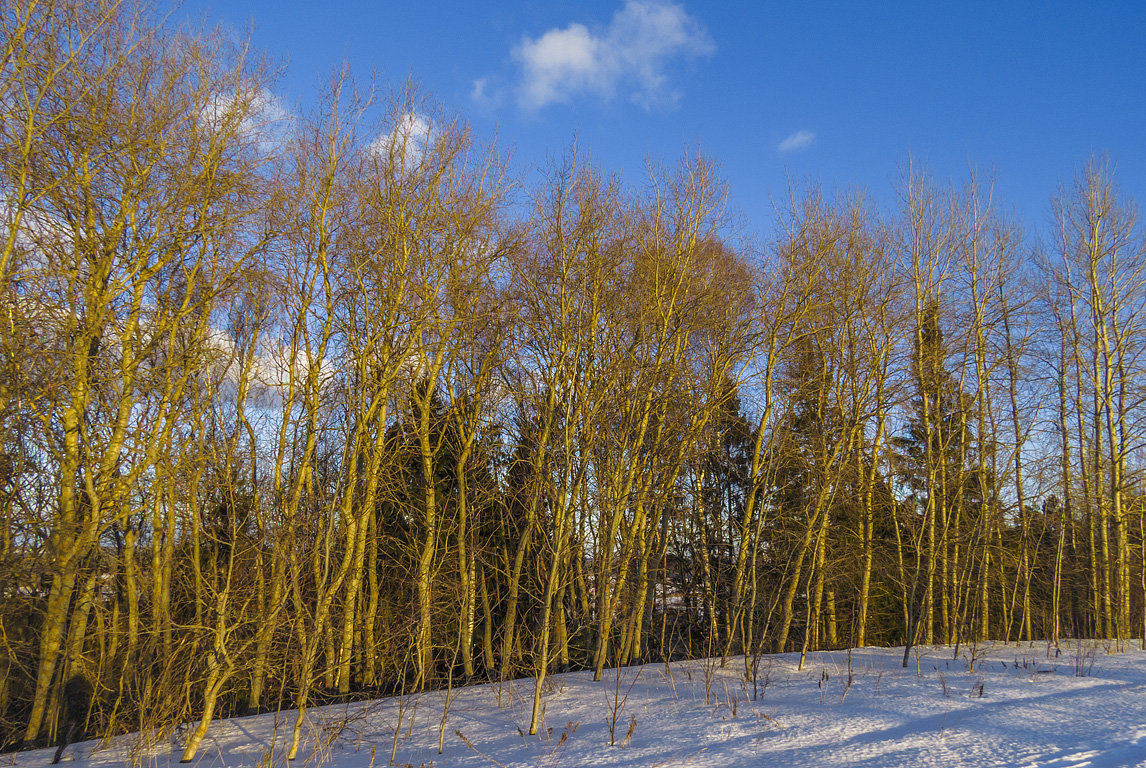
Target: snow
{"x": 1022, "y": 706}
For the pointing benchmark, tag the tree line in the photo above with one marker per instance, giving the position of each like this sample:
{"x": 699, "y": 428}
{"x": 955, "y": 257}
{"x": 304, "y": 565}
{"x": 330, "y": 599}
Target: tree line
{"x": 336, "y": 404}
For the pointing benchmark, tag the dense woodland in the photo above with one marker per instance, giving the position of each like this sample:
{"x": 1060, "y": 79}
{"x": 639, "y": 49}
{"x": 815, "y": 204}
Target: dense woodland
{"x": 295, "y": 408}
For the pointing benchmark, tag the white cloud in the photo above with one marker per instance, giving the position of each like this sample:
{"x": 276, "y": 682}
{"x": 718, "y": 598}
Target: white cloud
{"x": 631, "y": 54}
{"x": 407, "y": 141}
{"x": 260, "y": 114}
{"x": 796, "y": 141}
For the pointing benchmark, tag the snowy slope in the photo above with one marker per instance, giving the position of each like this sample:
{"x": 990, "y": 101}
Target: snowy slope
{"x": 1085, "y": 706}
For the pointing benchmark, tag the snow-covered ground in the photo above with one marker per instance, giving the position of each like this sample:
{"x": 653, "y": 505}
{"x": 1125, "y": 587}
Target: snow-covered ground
{"x": 1021, "y": 705}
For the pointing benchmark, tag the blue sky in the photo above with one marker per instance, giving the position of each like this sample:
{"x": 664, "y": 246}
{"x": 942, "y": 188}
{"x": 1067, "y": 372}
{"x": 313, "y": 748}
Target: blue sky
{"x": 837, "y": 92}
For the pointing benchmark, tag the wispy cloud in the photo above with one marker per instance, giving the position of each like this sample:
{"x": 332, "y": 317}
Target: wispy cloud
{"x": 796, "y": 141}
{"x": 478, "y": 93}
{"x": 631, "y": 54}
